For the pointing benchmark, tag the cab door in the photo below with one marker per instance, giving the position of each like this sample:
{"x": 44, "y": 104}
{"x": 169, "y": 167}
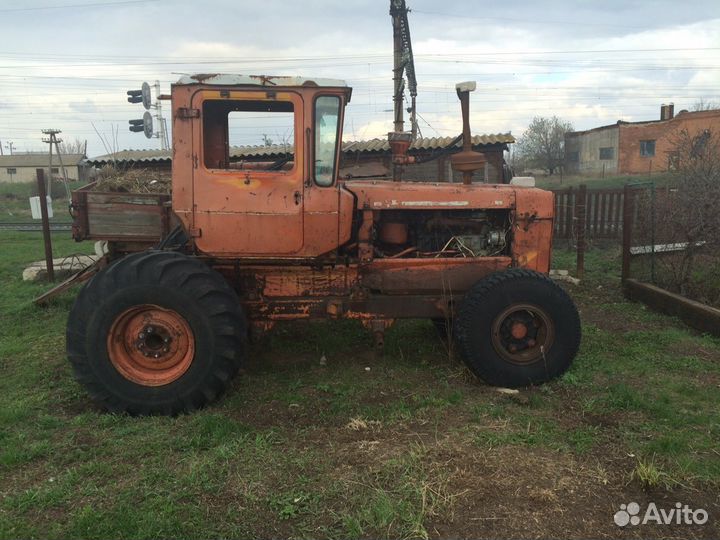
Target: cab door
{"x": 248, "y": 172}
{"x": 328, "y": 206}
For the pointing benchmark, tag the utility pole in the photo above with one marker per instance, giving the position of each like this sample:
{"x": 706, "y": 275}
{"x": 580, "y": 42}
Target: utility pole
{"x": 52, "y": 139}
{"x": 398, "y": 79}
{"x": 403, "y": 65}
{"x": 10, "y": 146}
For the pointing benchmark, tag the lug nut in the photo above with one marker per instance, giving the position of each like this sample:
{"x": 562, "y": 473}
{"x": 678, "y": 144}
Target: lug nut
{"x": 142, "y": 336}
{"x": 166, "y": 340}
{"x": 149, "y": 329}
{"x": 165, "y": 349}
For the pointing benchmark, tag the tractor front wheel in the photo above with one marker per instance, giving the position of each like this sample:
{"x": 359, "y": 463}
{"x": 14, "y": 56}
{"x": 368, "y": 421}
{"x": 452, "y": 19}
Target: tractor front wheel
{"x": 156, "y": 333}
{"x": 517, "y": 328}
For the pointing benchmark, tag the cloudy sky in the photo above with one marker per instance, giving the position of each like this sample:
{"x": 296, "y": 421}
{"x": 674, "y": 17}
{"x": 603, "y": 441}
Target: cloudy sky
{"x": 66, "y": 64}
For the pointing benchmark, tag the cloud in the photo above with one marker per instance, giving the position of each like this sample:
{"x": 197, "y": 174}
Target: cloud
{"x": 87, "y": 106}
{"x": 527, "y": 61}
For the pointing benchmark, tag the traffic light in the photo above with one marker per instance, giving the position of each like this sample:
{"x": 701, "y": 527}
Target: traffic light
{"x": 135, "y": 96}
{"x": 141, "y": 96}
{"x": 144, "y": 124}
{"x": 136, "y": 126}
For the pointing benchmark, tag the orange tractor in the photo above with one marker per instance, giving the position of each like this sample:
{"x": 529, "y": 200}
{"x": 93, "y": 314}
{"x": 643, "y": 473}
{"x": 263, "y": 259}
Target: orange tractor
{"x": 163, "y": 330}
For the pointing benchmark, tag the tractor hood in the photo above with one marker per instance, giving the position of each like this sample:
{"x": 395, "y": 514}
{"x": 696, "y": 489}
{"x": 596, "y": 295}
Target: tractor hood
{"x": 386, "y": 195}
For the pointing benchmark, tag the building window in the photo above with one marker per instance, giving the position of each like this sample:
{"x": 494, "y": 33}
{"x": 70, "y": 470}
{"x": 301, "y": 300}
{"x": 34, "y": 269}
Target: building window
{"x": 647, "y": 148}
{"x": 11, "y": 170}
{"x": 55, "y": 170}
{"x": 699, "y": 143}
{"x": 607, "y": 152}
{"x": 573, "y": 157}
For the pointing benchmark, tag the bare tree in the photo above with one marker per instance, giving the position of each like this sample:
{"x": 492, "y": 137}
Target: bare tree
{"x": 687, "y": 216}
{"x": 543, "y": 143}
{"x": 75, "y": 146}
{"x": 109, "y": 142}
{"x": 705, "y": 105}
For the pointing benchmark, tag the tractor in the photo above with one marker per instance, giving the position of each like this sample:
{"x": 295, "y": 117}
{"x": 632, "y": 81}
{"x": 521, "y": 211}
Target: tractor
{"x": 162, "y": 324}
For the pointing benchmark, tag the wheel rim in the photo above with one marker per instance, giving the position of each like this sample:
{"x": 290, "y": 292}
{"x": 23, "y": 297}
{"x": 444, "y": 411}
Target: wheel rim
{"x": 151, "y": 345}
{"x": 523, "y": 333}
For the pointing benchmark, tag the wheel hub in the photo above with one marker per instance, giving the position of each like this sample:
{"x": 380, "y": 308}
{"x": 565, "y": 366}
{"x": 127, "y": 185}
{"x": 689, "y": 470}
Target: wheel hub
{"x": 522, "y": 333}
{"x": 154, "y": 341}
{"x": 151, "y": 345}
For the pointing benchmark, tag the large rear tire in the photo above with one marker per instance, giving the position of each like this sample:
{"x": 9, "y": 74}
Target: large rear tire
{"x": 156, "y": 333}
{"x": 517, "y": 328}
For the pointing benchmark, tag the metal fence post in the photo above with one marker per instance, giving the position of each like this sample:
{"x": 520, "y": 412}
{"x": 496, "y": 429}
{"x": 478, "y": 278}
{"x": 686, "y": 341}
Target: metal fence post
{"x": 627, "y": 230}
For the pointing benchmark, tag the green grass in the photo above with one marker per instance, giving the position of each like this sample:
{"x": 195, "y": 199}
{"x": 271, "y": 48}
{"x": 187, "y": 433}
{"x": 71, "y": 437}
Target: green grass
{"x": 300, "y": 448}
{"x": 15, "y": 207}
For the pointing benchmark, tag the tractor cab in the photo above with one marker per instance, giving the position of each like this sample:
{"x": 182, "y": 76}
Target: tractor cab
{"x": 255, "y": 164}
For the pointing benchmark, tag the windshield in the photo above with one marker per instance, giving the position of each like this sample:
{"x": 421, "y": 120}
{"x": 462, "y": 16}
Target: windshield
{"x": 327, "y": 116}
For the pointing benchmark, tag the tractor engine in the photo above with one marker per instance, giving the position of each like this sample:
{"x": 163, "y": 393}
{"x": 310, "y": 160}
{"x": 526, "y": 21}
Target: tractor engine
{"x": 443, "y": 233}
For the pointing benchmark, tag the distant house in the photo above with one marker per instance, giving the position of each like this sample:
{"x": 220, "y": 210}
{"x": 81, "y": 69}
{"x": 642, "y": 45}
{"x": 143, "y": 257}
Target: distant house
{"x": 634, "y": 147}
{"x": 22, "y": 167}
{"x": 359, "y": 158}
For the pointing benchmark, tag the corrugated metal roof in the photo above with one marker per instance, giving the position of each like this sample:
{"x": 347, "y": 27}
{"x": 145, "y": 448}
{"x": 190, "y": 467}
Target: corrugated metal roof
{"x": 369, "y": 146}
{"x": 426, "y": 143}
{"x": 38, "y": 159}
{"x": 132, "y": 156}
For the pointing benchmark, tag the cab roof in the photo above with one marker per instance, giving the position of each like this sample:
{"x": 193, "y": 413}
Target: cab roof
{"x": 223, "y": 79}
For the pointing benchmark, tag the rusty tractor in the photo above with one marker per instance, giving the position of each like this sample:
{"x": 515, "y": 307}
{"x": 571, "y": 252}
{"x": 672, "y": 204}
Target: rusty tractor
{"x": 162, "y": 327}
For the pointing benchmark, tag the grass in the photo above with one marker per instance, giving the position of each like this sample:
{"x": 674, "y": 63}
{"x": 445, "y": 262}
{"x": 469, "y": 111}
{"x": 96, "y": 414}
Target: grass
{"x": 15, "y": 207}
{"x": 414, "y": 447}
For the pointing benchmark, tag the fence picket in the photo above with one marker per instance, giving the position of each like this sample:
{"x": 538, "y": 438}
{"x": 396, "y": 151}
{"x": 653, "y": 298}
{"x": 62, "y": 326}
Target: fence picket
{"x": 603, "y": 213}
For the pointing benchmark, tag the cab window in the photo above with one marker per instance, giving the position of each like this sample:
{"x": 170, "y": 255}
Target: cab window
{"x": 327, "y": 118}
{"x": 257, "y": 135}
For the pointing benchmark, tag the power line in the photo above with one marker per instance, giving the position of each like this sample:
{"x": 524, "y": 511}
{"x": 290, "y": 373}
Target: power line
{"x": 357, "y": 56}
{"x": 532, "y": 21}
{"x": 72, "y": 6}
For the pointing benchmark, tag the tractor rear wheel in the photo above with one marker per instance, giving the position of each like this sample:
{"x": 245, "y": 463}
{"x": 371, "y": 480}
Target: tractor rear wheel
{"x": 517, "y": 328}
{"x": 156, "y": 333}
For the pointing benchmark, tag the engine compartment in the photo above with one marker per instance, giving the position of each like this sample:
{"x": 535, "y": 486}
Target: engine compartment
{"x": 442, "y": 233}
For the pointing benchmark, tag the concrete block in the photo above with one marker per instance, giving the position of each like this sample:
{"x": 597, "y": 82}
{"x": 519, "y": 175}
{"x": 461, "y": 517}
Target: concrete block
{"x": 64, "y": 267}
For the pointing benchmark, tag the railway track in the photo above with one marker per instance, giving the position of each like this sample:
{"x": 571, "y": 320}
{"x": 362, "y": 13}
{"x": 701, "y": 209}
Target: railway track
{"x": 33, "y": 227}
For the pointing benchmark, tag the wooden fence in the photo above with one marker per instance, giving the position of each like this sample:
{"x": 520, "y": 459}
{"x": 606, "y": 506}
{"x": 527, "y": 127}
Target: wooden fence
{"x": 602, "y": 210}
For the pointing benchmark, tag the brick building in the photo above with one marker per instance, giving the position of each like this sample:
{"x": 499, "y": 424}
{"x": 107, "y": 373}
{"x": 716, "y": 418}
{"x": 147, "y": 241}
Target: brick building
{"x": 635, "y": 147}
{"x": 359, "y": 158}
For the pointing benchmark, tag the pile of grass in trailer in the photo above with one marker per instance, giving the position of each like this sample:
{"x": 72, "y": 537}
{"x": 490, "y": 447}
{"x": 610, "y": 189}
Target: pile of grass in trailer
{"x": 133, "y": 181}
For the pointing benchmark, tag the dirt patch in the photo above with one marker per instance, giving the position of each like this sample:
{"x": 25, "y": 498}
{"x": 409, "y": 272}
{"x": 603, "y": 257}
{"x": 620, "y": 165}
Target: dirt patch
{"x": 514, "y": 493}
